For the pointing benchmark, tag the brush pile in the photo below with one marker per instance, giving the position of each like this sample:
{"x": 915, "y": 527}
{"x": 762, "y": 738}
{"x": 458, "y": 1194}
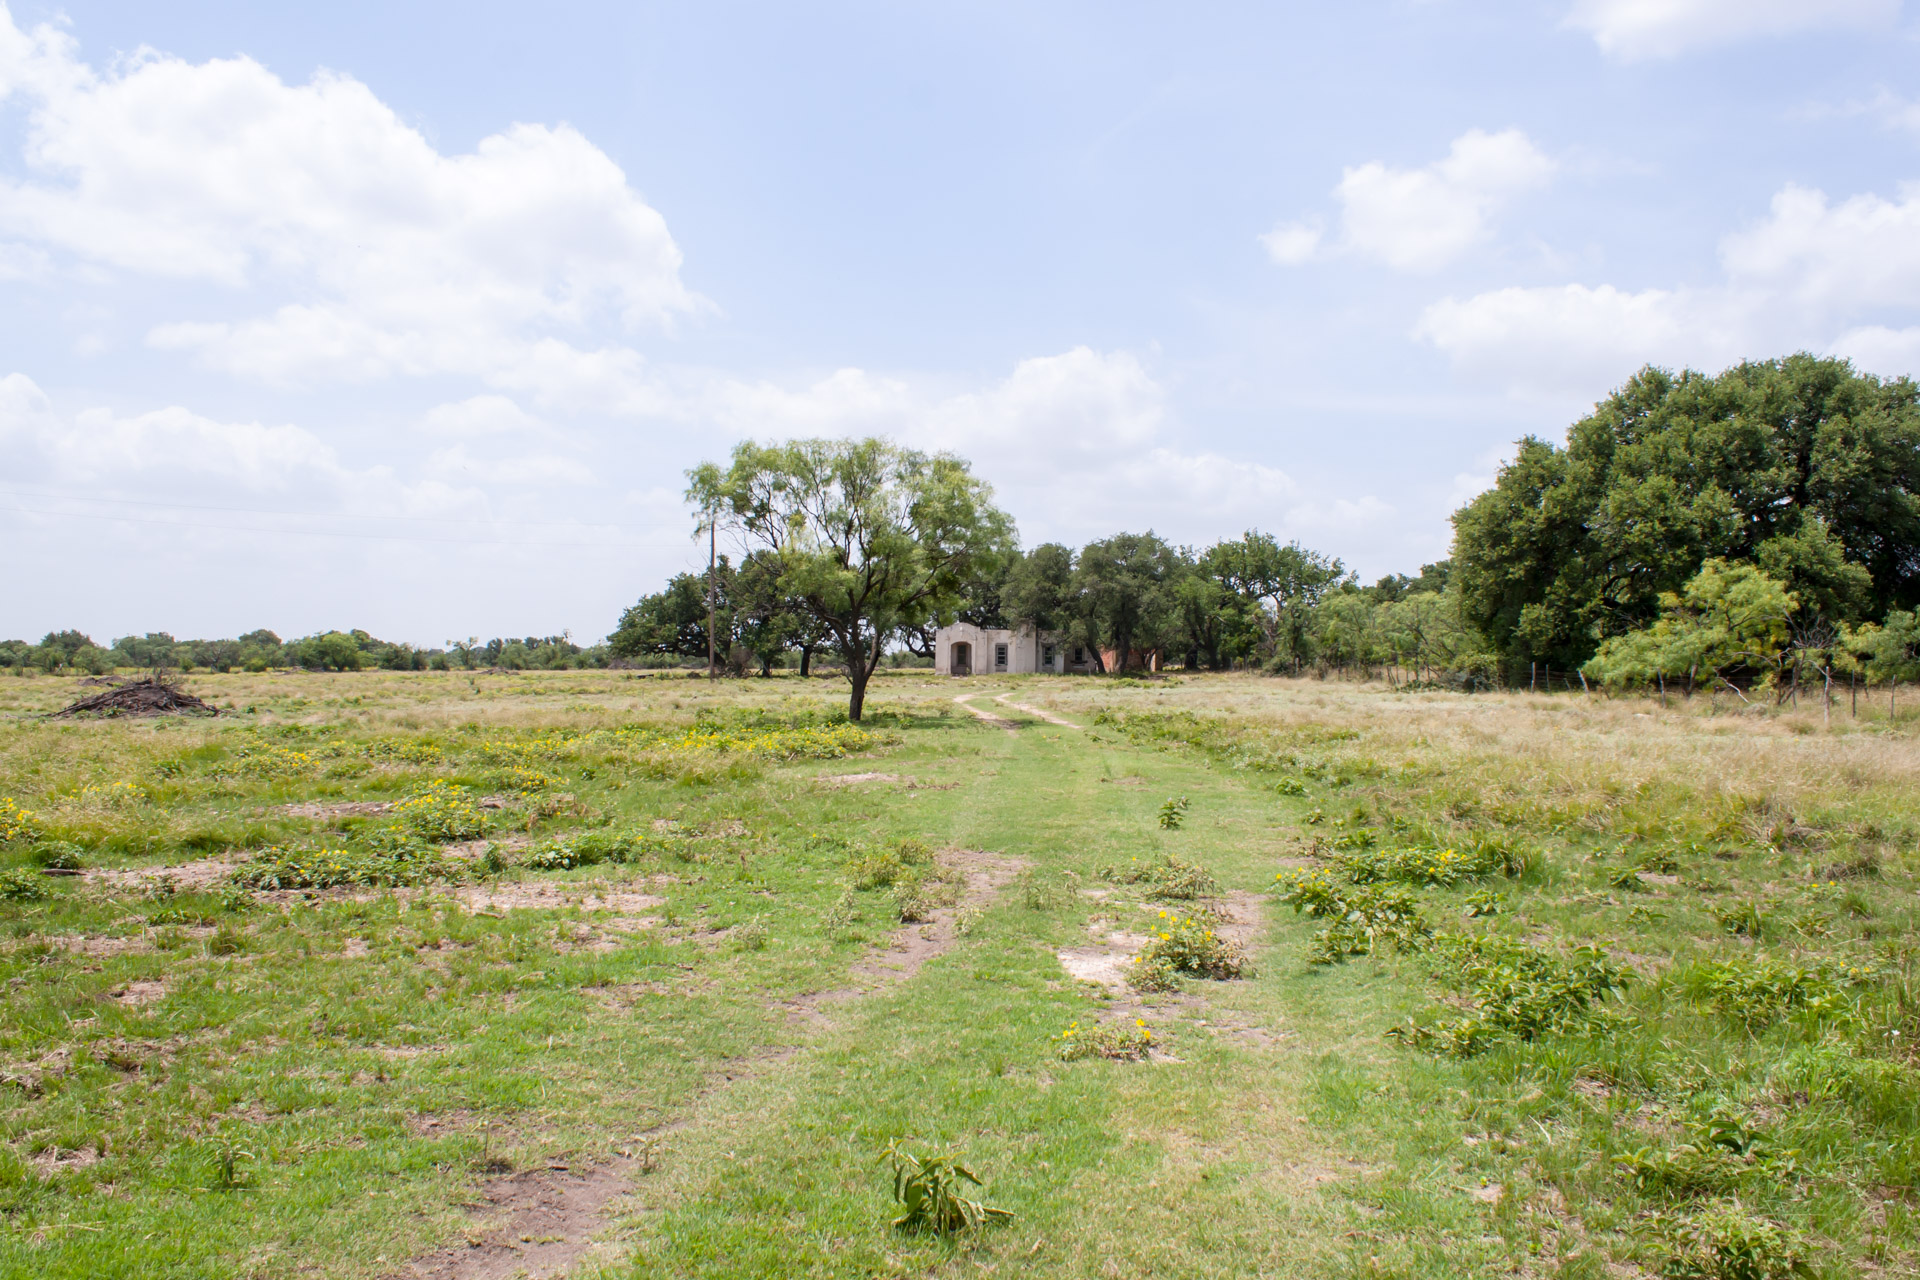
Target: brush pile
{"x": 155, "y": 695}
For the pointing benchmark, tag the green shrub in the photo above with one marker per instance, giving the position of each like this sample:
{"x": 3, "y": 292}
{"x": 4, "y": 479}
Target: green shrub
{"x": 20, "y": 885}
{"x": 17, "y": 823}
{"x": 749, "y": 936}
{"x": 587, "y": 849}
{"x": 903, "y": 861}
{"x": 1361, "y": 918}
{"x": 1173, "y": 813}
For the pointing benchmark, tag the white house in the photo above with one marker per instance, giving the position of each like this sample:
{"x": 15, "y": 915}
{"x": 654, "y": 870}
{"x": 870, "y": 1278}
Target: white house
{"x": 966, "y": 650}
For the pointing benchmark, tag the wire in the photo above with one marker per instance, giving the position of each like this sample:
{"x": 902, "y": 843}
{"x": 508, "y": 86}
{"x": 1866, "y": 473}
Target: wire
{"x": 261, "y": 511}
{"x": 325, "y": 533}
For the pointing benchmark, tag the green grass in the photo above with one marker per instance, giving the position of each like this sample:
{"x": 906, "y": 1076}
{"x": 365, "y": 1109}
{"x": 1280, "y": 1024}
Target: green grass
{"x": 221, "y": 1081}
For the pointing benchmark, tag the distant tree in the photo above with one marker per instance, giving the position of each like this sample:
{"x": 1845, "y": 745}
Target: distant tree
{"x": 674, "y": 621}
{"x": 332, "y": 651}
{"x": 868, "y": 536}
{"x": 1799, "y": 466}
{"x": 1125, "y": 588}
{"x": 1038, "y": 591}
{"x": 1285, "y": 582}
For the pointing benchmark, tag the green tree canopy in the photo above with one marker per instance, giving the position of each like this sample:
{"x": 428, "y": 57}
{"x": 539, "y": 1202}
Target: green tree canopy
{"x": 868, "y": 537}
{"x": 674, "y": 621}
{"x": 1801, "y": 466}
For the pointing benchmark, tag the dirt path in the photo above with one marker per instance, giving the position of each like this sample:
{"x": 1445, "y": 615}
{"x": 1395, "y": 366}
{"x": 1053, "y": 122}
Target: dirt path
{"x": 998, "y": 722}
{"x": 540, "y": 1223}
{"x": 1048, "y": 716}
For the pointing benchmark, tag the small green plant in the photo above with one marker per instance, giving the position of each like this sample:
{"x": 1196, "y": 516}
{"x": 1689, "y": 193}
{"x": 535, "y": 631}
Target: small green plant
{"x": 1728, "y": 1241}
{"x": 966, "y": 920}
{"x": 1173, "y": 813}
{"x": 227, "y": 1159}
{"x": 1626, "y": 879}
{"x": 930, "y": 1190}
{"x": 20, "y": 885}
{"x": 1483, "y": 902}
{"x": 1037, "y": 891}
{"x": 1520, "y": 991}
{"x": 838, "y": 918}
{"x": 750, "y": 935}
{"x": 1742, "y": 919}
{"x": 1361, "y": 918}
{"x": 1759, "y": 991}
{"x": 913, "y": 902}
{"x": 1289, "y": 787}
{"x": 1118, "y": 1043}
{"x": 397, "y": 863}
{"x": 905, "y": 860}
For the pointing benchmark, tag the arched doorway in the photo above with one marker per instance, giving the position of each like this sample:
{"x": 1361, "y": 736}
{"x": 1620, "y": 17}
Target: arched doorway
{"x": 960, "y": 659}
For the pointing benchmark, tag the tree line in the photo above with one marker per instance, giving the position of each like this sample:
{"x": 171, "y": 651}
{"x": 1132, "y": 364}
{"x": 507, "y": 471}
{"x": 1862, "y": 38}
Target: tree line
{"x": 262, "y": 650}
{"x": 1788, "y": 488}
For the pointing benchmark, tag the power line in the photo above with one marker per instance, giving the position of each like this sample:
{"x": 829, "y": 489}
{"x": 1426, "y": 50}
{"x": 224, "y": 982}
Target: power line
{"x": 328, "y": 533}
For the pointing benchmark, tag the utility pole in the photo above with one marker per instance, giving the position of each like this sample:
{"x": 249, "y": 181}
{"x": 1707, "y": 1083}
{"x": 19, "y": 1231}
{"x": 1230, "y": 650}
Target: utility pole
{"x": 712, "y": 667}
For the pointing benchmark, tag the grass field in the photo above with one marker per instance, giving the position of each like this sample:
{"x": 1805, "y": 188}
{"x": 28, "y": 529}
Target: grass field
{"x": 600, "y": 974}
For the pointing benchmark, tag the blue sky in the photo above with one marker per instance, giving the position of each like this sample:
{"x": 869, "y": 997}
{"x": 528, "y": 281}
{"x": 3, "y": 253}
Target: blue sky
{"x": 412, "y": 319}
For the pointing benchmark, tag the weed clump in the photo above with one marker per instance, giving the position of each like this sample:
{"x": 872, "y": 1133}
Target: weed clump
{"x": 1173, "y": 813}
{"x": 442, "y": 812}
{"x": 1168, "y": 879}
{"x": 394, "y": 862}
{"x": 1520, "y": 992}
{"x": 1116, "y": 1043}
{"x": 1361, "y": 919}
{"x": 590, "y": 848}
{"x": 1760, "y": 991}
{"x": 1727, "y": 1241}
{"x": 904, "y": 861}
{"x": 20, "y": 885}
{"x": 1187, "y": 946}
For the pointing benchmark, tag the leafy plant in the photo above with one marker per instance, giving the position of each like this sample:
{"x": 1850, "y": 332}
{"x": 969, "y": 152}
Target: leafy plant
{"x": 1759, "y": 991}
{"x": 1520, "y": 991}
{"x": 839, "y": 917}
{"x": 1171, "y": 879}
{"x": 399, "y": 863}
{"x": 1361, "y": 918}
{"x": 1172, "y": 813}
{"x": 1727, "y": 1241}
{"x": 930, "y": 1190}
{"x": 57, "y": 855}
{"x": 20, "y": 885}
{"x": 750, "y": 936}
{"x": 1189, "y": 946}
{"x": 1483, "y": 902}
{"x": 16, "y": 823}
{"x": 1119, "y": 1043}
{"x": 442, "y": 812}
{"x": 1743, "y": 919}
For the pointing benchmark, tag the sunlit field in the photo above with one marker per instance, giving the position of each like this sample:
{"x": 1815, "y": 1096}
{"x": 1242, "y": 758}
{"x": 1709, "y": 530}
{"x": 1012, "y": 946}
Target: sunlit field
{"x": 620, "y": 974}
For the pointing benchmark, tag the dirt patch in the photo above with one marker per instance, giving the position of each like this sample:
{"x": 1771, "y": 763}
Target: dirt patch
{"x": 140, "y": 994}
{"x": 542, "y": 1224}
{"x": 1048, "y": 716}
{"x": 95, "y": 945}
{"x": 1126, "y": 782}
{"x": 849, "y": 779}
{"x": 349, "y": 809}
{"x": 185, "y": 875}
{"x": 57, "y": 1160}
{"x": 525, "y": 895}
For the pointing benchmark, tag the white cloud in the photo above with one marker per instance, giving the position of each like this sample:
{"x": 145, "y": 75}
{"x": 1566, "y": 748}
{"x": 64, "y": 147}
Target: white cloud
{"x": 545, "y": 469}
{"x": 1422, "y": 219}
{"x": 1807, "y": 270}
{"x": 1862, "y": 252}
{"x": 488, "y": 415}
{"x": 1291, "y": 243}
{"x": 404, "y": 260}
{"x": 1632, "y": 29}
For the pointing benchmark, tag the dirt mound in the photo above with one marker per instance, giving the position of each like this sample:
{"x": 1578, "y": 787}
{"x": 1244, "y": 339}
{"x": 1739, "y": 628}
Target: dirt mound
{"x": 152, "y": 696}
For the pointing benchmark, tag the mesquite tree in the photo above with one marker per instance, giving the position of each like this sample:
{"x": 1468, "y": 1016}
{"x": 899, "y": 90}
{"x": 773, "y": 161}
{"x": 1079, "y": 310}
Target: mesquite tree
{"x": 868, "y": 537}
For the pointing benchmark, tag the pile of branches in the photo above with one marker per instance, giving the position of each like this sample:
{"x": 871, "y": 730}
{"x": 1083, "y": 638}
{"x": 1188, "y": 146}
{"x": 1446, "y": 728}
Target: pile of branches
{"x": 154, "y": 695}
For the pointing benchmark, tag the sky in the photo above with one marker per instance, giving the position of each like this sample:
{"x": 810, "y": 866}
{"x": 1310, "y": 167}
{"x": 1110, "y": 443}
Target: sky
{"x": 413, "y": 317}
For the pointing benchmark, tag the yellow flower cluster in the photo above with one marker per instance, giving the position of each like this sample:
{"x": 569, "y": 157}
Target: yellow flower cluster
{"x": 441, "y": 811}
{"x": 16, "y": 822}
{"x": 829, "y": 742}
{"x": 112, "y": 796}
{"x": 268, "y": 761}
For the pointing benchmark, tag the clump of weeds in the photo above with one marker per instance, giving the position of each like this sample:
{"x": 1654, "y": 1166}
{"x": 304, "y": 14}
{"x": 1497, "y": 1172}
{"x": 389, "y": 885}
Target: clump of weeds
{"x": 931, "y": 1190}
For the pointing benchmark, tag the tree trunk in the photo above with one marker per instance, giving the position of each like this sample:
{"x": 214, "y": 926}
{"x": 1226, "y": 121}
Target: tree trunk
{"x": 806, "y": 661}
